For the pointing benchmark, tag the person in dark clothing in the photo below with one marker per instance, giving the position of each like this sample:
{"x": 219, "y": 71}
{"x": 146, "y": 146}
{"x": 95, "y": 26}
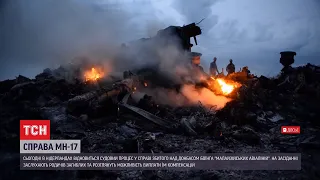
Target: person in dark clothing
{"x": 196, "y": 72}
{"x": 246, "y": 70}
{"x": 230, "y": 68}
{"x": 213, "y": 68}
{"x": 195, "y": 63}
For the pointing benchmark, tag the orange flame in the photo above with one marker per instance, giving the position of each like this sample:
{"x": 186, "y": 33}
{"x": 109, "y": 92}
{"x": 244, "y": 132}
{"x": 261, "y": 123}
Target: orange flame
{"x": 227, "y": 88}
{"x": 93, "y": 75}
{"x": 145, "y": 84}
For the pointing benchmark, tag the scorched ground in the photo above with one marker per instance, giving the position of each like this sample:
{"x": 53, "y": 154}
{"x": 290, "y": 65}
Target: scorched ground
{"x": 250, "y": 122}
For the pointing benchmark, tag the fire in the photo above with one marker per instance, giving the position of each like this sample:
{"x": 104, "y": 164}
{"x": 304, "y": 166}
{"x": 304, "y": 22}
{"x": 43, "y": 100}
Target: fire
{"x": 226, "y": 88}
{"x": 145, "y": 84}
{"x": 93, "y": 75}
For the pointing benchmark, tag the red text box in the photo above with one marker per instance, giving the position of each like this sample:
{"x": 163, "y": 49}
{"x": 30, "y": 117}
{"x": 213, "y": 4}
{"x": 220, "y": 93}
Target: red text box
{"x": 34, "y": 129}
{"x": 290, "y": 129}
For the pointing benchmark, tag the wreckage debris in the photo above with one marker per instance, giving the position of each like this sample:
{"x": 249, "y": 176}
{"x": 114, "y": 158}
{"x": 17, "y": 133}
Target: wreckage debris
{"x": 188, "y": 124}
{"x": 108, "y": 119}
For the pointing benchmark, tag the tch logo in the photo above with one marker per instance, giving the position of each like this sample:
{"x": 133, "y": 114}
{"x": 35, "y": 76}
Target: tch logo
{"x": 34, "y": 129}
{"x": 290, "y": 130}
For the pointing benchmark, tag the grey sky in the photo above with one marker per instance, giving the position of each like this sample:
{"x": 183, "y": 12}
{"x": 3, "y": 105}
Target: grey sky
{"x": 45, "y": 33}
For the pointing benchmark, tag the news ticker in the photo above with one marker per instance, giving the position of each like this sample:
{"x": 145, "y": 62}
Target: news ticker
{"x": 39, "y": 152}
{"x": 180, "y": 162}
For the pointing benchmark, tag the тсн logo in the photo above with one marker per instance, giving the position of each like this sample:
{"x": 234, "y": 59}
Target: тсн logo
{"x": 34, "y": 129}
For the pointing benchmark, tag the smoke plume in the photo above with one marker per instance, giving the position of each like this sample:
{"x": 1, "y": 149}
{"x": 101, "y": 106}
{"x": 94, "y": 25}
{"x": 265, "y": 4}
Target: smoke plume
{"x": 205, "y": 96}
{"x": 188, "y": 96}
{"x": 48, "y": 33}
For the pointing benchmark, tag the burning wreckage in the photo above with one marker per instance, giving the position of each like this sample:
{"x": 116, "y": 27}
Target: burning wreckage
{"x": 120, "y": 116}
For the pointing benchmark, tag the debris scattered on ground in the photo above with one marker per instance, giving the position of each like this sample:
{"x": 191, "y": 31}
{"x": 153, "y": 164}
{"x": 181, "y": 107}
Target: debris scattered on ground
{"x": 108, "y": 120}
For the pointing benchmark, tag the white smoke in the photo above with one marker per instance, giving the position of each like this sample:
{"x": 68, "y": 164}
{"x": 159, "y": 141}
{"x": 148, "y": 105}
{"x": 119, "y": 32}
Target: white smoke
{"x": 47, "y": 33}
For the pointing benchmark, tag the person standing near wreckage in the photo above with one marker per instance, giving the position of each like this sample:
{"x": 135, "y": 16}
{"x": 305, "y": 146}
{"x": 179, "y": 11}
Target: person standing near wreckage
{"x": 196, "y": 71}
{"x": 213, "y": 68}
{"x": 246, "y": 71}
{"x": 230, "y": 68}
